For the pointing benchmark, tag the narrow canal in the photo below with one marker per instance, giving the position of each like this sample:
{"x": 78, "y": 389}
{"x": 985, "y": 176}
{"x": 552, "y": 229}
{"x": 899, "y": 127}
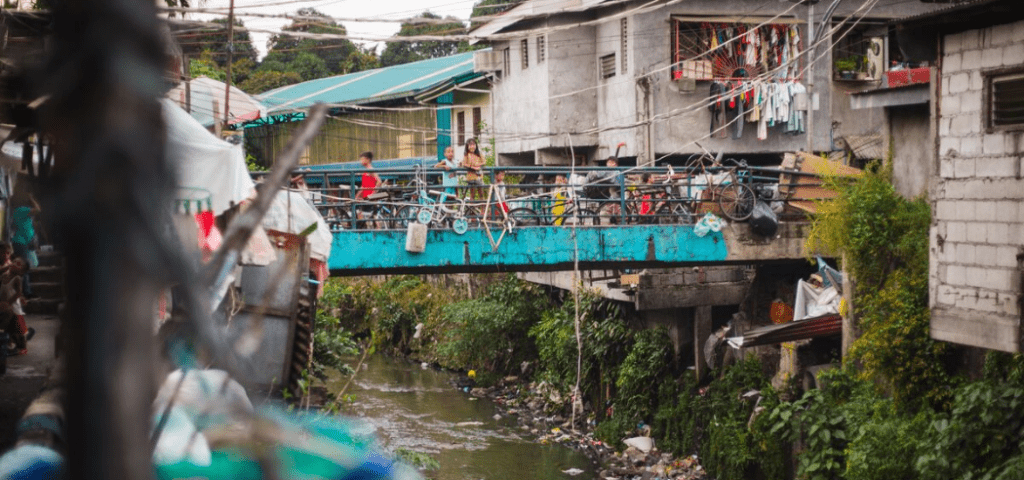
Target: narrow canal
{"x": 420, "y": 410}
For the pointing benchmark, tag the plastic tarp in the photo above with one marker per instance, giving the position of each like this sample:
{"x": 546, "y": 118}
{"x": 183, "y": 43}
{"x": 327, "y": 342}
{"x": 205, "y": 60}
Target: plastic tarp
{"x": 203, "y": 161}
{"x": 290, "y": 212}
{"x": 814, "y": 301}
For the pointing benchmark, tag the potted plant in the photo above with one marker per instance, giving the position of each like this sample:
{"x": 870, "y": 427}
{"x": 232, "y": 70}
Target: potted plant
{"x": 847, "y": 67}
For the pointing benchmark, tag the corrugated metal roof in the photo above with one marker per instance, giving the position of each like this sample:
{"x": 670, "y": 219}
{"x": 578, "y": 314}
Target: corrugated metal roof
{"x": 371, "y": 86}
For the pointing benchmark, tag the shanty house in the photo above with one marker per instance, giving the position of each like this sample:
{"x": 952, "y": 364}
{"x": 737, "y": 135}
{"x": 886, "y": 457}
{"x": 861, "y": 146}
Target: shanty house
{"x": 411, "y": 110}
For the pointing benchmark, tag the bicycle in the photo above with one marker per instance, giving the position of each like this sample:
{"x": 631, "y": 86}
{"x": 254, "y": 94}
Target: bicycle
{"x": 562, "y": 209}
{"x": 432, "y": 208}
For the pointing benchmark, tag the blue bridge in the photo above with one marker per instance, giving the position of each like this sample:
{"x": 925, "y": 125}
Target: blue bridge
{"x": 549, "y": 219}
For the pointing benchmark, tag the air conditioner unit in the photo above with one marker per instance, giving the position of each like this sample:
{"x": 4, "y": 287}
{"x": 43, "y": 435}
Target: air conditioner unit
{"x": 876, "y": 58}
{"x": 487, "y": 61}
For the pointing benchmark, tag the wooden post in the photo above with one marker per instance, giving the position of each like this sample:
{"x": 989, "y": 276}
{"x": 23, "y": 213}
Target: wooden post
{"x": 231, "y": 48}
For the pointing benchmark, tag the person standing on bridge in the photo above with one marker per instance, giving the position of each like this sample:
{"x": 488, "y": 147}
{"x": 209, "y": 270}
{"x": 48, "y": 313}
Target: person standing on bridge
{"x": 449, "y": 179}
{"x": 474, "y": 163}
{"x": 368, "y": 183}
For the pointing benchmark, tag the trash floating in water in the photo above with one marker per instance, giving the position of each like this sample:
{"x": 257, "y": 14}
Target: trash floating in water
{"x": 572, "y": 471}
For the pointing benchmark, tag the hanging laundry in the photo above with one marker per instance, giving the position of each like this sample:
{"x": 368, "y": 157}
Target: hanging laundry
{"x": 795, "y": 125}
{"x": 715, "y": 97}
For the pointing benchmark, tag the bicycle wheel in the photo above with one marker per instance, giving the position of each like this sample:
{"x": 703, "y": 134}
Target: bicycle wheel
{"x": 424, "y": 215}
{"x": 736, "y": 200}
{"x": 674, "y": 214}
{"x": 609, "y": 213}
{"x": 382, "y": 218}
{"x": 460, "y": 225}
{"x": 406, "y": 215}
{"x": 524, "y": 217}
{"x": 586, "y": 218}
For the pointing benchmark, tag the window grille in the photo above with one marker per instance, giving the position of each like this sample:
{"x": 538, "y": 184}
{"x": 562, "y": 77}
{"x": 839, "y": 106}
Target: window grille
{"x": 608, "y": 66}
{"x": 540, "y": 49}
{"x": 460, "y": 127}
{"x": 1006, "y": 101}
{"x": 476, "y": 123}
{"x": 524, "y": 47}
{"x": 624, "y": 44}
{"x": 506, "y": 60}
{"x": 709, "y": 48}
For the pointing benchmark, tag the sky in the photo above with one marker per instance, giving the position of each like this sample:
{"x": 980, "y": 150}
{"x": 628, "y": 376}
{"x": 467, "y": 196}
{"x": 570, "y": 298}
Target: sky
{"x": 362, "y": 9}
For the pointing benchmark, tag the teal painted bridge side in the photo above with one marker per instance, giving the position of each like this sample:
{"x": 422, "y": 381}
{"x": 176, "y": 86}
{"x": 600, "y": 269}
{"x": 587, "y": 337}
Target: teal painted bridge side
{"x": 525, "y": 249}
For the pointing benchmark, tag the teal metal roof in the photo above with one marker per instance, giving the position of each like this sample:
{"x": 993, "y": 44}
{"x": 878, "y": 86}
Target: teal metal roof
{"x": 370, "y": 86}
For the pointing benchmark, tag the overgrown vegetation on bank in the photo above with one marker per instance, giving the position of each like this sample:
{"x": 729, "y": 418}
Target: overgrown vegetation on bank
{"x": 895, "y": 410}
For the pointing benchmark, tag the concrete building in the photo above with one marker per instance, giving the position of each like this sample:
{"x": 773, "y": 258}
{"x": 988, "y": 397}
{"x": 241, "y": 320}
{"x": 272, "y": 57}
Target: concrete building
{"x": 591, "y": 74}
{"x": 977, "y": 234}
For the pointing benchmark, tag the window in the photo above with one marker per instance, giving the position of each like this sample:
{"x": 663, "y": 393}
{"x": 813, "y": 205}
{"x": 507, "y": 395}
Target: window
{"x": 748, "y": 49}
{"x": 624, "y": 44}
{"x": 607, "y": 66}
{"x": 540, "y": 49}
{"x": 524, "y": 47}
{"x": 1005, "y": 100}
{"x": 506, "y": 60}
{"x": 476, "y": 123}
{"x": 460, "y": 127}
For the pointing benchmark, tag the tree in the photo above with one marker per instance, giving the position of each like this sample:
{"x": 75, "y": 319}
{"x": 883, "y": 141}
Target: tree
{"x": 397, "y": 53}
{"x": 364, "y": 58}
{"x": 309, "y": 66}
{"x": 205, "y": 66}
{"x": 216, "y": 42}
{"x": 262, "y": 81}
{"x": 490, "y": 7}
{"x": 284, "y": 49}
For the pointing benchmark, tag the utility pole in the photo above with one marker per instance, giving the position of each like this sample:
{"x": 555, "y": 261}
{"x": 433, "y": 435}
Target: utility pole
{"x": 231, "y": 50}
{"x": 810, "y": 74}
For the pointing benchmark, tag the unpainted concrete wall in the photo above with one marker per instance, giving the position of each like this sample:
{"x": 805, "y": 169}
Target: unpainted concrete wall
{"x": 913, "y": 149}
{"x": 978, "y": 228}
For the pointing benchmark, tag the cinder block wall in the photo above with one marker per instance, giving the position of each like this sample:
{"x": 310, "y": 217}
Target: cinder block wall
{"x": 978, "y": 227}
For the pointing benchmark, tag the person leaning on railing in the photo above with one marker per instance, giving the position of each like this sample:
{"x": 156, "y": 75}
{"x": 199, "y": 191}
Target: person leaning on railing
{"x": 474, "y": 164}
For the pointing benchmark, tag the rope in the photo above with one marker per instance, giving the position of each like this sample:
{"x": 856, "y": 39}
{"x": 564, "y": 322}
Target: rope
{"x": 575, "y": 287}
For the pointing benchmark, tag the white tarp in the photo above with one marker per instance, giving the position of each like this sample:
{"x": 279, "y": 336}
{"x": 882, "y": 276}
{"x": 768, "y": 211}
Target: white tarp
{"x": 203, "y": 161}
{"x": 814, "y": 301}
{"x": 290, "y": 212}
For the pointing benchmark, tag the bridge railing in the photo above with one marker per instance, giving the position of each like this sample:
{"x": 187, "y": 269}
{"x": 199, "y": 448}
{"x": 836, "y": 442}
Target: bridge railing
{"x": 559, "y": 196}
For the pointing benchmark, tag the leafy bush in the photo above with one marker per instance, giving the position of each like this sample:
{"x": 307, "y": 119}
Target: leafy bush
{"x": 605, "y": 340}
{"x": 491, "y": 332}
{"x": 883, "y": 238}
{"x": 981, "y": 438}
{"x": 331, "y": 341}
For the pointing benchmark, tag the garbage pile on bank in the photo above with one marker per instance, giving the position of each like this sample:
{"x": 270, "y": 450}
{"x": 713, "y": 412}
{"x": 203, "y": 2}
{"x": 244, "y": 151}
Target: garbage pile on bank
{"x": 541, "y": 410}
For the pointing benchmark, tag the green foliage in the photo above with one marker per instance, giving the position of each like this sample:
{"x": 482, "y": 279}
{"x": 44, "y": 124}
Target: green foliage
{"x": 397, "y": 53}
{"x": 215, "y": 43}
{"x": 331, "y": 340}
{"x": 309, "y": 66}
{"x": 418, "y": 460}
{"x": 265, "y": 80}
{"x": 490, "y": 332}
{"x": 883, "y": 239}
{"x": 606, "y": 339}
{"x": 490, "y": 8}
{"x": 822, "y": 429}
{"x": 205, "y": 66}
{"x": 284, "y": 49}
{"x": 981, "y": 438}
{"x": 648, "y": 363}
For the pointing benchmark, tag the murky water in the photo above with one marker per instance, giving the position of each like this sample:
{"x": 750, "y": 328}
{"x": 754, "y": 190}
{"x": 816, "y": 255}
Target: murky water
{"x": 419, "y": 409}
